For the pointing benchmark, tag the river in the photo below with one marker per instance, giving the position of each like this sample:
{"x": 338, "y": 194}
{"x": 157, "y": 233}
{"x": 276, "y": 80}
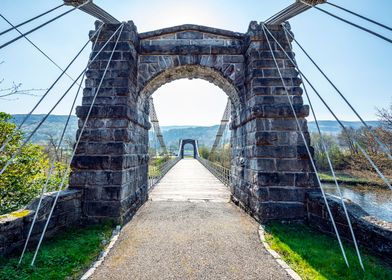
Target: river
{"x": 374, "y": 200}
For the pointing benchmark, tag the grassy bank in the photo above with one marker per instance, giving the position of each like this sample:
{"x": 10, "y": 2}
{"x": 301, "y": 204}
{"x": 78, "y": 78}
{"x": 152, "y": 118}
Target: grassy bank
{"x": 64, "y": 257}
{"x": 352, "y": 179}
{"x": 314, "y": 255}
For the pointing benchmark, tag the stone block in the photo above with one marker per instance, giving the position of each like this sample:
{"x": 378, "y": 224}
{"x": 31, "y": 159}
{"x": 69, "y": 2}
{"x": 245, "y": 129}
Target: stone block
{"x": 281, "y": 211}
{"x": 108, "y": 209}
{"x": 275, "y": 179}
{"x": 292, "y": 194}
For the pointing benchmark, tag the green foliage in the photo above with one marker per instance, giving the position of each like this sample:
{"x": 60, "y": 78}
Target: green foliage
{"x": 222, "y": 156}
{"x": 155, "y": 165}
{"x": 204, "y": 152}
{"x": 24, "y": 177}
{"x": 314, "y": 255}
{"x": 64, "y": 257}
{"x": 335, "y": 152}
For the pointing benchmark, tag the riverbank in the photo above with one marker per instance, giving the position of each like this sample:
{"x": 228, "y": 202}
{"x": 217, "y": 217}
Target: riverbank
{"x": 353, "y": 178}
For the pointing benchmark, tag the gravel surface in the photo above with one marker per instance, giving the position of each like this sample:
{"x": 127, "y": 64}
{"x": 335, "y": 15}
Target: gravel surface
{"x": 189, "y": 237}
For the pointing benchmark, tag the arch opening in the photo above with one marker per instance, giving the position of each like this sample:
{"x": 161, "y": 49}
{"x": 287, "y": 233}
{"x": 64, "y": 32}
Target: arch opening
{"x": 190, "y": 72}
{"x": 188, "y": 110}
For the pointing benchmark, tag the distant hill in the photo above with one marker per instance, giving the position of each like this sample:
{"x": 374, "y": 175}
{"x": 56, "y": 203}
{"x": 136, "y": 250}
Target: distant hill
{"x": 205, "y": 134}
{"x": 333, "y": 127}
{"x": 52, "y": 126}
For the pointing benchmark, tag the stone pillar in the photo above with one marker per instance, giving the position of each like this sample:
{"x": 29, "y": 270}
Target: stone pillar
{"x": 110, "y": 165}
{"x": 274, "y": 168}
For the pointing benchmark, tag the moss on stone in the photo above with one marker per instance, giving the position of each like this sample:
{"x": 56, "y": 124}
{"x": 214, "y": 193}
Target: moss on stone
{"x": 16, "y": 214}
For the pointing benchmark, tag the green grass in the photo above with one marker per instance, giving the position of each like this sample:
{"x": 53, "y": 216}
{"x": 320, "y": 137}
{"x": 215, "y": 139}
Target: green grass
{"x": 64, "y": 257}
{"x": 314, "y": 255}
{"x": 344, "y": 178}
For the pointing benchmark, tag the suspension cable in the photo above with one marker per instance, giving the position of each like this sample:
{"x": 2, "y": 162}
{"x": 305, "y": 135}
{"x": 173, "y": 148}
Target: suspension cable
{"x": 351, "y": 23}
{"x": 43, "y": 190}
{"x": 42, "y": 25}
{"x": 43, "y": 96}
{"x": 324, "y": 147}
{"x": 386, "y": 181}
{"x": 53, "y": 162}
{"x": 223, "y": 155}
{"x": 38, "y": 48}
{"x": 379, "y": 142}
{"x": 307, "y": 147}
{"x": 47, "y": 115}
{"x": 120, "y": 29}
{"x": 30, "y": 20}
{"x": 360, "y": 16}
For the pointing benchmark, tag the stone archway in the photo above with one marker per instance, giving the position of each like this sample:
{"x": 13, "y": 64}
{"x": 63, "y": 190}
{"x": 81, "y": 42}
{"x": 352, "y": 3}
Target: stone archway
{"x": 184, "y": 142}
{"x": 270, "y": 166}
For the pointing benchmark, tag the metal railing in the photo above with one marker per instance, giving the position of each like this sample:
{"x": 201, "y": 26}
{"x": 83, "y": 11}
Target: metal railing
{"x": 156, "y": 173}
{"x": 219, "y": 171}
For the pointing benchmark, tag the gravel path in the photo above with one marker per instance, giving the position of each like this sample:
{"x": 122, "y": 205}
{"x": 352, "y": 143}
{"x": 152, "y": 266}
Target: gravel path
{"x": 185, "y": 233}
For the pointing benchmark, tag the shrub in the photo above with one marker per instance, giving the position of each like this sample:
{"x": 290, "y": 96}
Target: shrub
{"x": 24, "y": 177}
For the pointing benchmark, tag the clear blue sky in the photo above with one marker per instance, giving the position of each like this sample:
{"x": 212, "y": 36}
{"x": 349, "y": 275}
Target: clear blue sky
{"x": 359, "y": 63}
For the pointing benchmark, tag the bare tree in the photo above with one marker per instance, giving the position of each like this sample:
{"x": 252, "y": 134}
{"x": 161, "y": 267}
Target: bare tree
{"x": 16, "y": 89}
{"x": 385, "y": 116}
{"x": 51, "y": 146}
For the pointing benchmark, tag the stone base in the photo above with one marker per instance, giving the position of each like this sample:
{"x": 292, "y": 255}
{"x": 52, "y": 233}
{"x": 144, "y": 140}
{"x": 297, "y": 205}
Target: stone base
{"x": 14, "y": 228}
{"x": 370, "y": 232}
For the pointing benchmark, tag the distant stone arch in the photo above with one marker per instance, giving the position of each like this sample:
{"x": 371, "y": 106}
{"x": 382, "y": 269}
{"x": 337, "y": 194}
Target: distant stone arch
{"x": 184, "y": 142}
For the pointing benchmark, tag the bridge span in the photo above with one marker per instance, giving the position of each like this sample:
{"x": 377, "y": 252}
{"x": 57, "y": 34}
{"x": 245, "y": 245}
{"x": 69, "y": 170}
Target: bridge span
{"x": 189, "y": 230}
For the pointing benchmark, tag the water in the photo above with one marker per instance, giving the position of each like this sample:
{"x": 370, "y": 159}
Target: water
{"x": 376, "y": 201}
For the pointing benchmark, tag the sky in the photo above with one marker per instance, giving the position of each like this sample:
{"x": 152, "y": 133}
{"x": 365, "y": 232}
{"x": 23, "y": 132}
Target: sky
{"x": 358, "y": 63}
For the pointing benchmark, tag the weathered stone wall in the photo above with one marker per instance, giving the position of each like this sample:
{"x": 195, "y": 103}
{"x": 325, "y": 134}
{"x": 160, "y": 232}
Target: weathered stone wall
{"x": 369, "y": 231}
{"x": 14, "y": 227}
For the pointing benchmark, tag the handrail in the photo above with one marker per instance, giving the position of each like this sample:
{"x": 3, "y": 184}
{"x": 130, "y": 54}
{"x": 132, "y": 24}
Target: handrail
{"x": 160, "y": 171}
{"x": 219, "y": 171}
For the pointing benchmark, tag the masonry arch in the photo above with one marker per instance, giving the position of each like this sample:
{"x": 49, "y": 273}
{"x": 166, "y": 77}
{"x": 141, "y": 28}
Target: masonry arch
{"x": 209, "y": 74}
{"x": 169, "y": 73}
{"x": 270, "y": 166}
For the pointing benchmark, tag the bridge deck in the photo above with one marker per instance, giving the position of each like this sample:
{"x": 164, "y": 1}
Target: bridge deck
{"x": 189, "y": 230}
{"x": 190, "y": 181}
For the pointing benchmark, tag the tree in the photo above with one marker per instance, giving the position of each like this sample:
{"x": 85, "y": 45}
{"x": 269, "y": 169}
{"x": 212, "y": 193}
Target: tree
{"x": 347, "y": 139}
{"x": 24, "y": 178}
{"x": 335, "y": 153}
{"x": 16, "y": 89}
{"x": 385, "y": 116}
{"x": 204, "y": 152}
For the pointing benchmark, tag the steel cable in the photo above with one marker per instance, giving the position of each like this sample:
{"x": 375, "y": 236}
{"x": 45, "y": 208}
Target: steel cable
{"x": 38, "y": 48}
{"x": 386, "y": 181}
{"x": 379, "y": 142}
{"x": 54, "y": 160}
{"x": 42, "y": 25}
{"x": 329, "y": 160}
{"x": 307, "y": 148}
{"x": 47, "y": 115}
{"x": 360, "y": 16}
{"x": 44, "y": 95}
{"x": 78, "y": 140}
{"x": 30, "y": 20}
{"x": 351, "y": 23}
